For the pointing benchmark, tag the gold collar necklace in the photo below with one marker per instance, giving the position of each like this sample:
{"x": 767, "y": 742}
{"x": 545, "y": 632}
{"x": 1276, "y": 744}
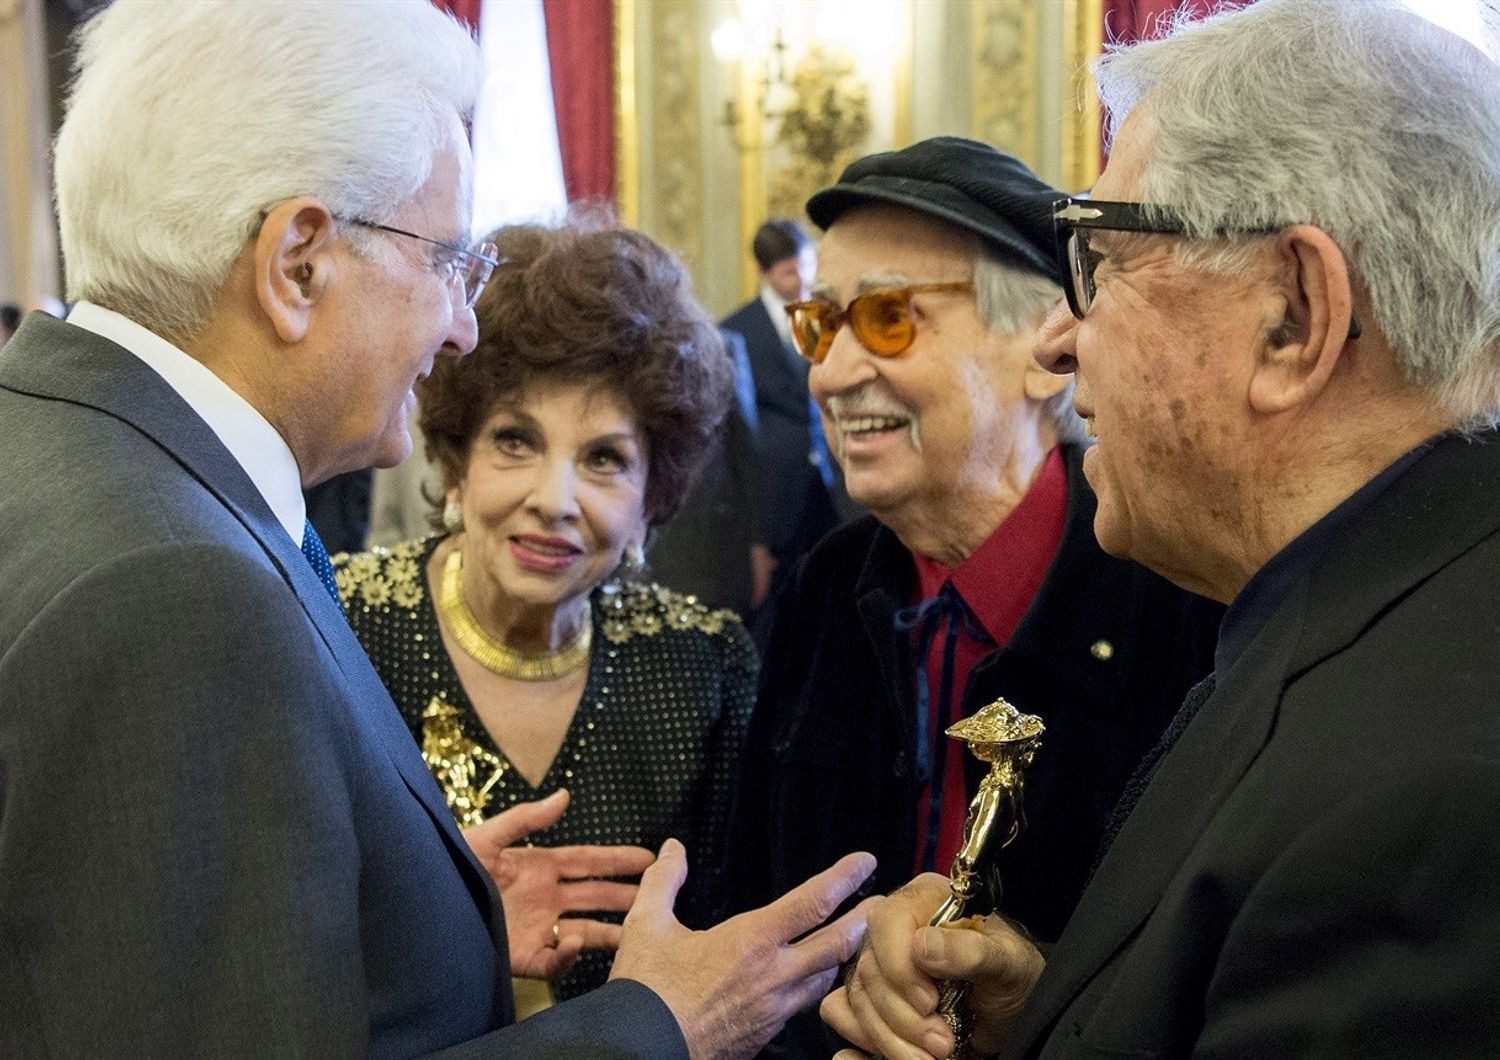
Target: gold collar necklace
{"x": 490, "y": 653}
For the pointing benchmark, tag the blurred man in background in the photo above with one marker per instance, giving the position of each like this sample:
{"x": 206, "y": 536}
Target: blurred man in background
{"x": 10, "y": 319}
{"x": 803, "y": 496}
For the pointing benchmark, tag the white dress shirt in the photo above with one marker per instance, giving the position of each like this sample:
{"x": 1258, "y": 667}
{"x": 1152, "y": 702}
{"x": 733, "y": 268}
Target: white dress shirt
{"x": 777, "y": 310}
{"x": 250, "y": 439}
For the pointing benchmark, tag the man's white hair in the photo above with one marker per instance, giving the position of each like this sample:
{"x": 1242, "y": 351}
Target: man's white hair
{"x": 187, "y": 119}
{"x": 1011, "y": 299}
{"x": 1363, "y": 119}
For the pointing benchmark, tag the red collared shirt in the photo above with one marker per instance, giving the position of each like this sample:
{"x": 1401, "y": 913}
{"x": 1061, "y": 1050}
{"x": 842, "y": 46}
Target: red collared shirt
{"x": 997, "y": 583}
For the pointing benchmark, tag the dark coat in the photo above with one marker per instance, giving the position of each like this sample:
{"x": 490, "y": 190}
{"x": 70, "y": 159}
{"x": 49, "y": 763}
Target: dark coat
{"x": 1314, "y": 869}
{"x": 833, "y": 742}
{"x": 262, "y": 864}
{"x": 830, "y": 764}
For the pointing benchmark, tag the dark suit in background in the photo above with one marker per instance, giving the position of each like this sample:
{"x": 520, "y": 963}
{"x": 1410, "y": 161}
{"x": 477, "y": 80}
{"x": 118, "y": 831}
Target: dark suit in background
{"x": 705, "y": 549}
{"x": 339, "y": 510}
{"x": 804, "y": 492}
{"x": 209, "y": 803}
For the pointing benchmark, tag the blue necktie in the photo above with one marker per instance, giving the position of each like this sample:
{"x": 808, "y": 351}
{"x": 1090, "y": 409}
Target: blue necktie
{"x": 820, "y": 457}
{"x": 817, "y": 455}
{"x": 317, "y": 558}
{"x": 946, "y": 607}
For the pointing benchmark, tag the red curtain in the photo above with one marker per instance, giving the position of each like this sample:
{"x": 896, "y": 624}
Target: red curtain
{"x": 580, "y": 47}
{"x": 466, "y": 11}
{"x": 1128, "y": 21}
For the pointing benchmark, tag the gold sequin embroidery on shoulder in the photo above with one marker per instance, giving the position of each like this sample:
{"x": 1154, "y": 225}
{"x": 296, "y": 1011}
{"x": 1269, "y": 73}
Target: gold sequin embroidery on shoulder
{"x": 636, "y": 610}
{"x": 380, "y": 576}
{"x": 465, "y": 770}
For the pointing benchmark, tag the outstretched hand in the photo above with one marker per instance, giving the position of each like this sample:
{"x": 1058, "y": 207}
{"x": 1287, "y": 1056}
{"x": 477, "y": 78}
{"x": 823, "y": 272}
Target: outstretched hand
{"x": 888, "y": 1005}
{"x": 538, "y": 885}
{"x": 733, "y": 986}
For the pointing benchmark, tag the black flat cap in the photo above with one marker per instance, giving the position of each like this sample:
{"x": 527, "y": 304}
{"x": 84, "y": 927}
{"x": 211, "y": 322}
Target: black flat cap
{"x": 964, "y": 182}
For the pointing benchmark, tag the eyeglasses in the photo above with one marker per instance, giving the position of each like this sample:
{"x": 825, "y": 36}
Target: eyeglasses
{"x": 469, "y": 268}
{"x": 1071, "y": 221}
{"x": 1073, "y": 218}
{"x": 882, "y": 321}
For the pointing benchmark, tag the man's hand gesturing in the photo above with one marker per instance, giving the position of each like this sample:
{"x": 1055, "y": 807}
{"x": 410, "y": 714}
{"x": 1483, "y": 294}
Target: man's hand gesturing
{"x": 733, "y": 986}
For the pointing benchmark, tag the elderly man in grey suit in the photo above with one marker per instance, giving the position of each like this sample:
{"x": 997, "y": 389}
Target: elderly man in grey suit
{"x": 216, "y": 836}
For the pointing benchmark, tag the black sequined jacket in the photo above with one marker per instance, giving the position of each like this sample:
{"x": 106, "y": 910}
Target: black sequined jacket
{"x": 652, "y": 751}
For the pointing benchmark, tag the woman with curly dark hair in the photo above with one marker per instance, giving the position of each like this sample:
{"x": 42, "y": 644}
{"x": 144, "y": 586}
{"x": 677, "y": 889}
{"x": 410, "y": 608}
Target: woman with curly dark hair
{"x": 524, "y": 650}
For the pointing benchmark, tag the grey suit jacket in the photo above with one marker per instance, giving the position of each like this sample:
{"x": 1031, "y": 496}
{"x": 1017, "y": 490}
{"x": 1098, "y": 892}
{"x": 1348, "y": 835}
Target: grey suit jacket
{"x": 1314, "y": 869}
{"x": 216, "y": 835}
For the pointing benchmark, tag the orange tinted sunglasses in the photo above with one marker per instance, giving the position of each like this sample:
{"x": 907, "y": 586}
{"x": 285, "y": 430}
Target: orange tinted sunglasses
{"x": 882, "y": 321}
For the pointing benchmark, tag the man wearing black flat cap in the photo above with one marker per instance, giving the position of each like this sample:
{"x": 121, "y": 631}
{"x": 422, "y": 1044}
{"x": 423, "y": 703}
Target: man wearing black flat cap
{"x": 975, "y": 576}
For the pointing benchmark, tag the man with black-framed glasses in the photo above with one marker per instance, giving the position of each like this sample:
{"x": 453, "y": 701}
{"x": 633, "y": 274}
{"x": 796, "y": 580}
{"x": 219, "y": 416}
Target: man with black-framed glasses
{"x": 976, "y": 574}
{"x": 1075, "y": 218}
{"x": 1308, "y": 863}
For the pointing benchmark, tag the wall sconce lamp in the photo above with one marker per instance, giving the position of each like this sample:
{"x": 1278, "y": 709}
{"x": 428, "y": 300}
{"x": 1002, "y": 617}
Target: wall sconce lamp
{"x": 814, "y": 97}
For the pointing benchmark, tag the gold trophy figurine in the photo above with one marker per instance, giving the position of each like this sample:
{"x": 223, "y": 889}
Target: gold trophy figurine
{"x": 1007, "y": 739}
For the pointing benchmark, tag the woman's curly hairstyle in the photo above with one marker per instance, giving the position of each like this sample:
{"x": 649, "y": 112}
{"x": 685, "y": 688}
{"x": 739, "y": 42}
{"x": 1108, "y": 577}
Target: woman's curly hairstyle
{"x": 596, "y": 305}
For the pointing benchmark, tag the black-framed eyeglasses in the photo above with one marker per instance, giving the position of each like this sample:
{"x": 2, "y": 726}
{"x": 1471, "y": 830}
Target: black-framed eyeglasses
{"x": 1073, "y": 219}
{"x": 468, "y": 267}
{"x": 882, "y": 321}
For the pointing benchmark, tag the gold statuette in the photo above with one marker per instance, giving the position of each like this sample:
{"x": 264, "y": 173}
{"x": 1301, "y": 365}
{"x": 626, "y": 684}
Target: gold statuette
{"x": 1007, "y": 739}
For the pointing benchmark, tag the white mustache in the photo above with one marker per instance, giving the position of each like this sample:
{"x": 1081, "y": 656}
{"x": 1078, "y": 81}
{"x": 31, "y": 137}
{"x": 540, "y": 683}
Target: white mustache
{"x": 862, "y": 402}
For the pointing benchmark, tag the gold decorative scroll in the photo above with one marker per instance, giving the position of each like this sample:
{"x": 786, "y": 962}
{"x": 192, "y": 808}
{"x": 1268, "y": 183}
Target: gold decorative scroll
{"x": 822, "y": 131}
{"x": 748, "y": 138}
{"x": 677, "y": 191}
{"x": 659, "y": 152}
{"x": 1083, "y": 29}
{"x": 627, "y": 119}
{"x": 904, "y": 126}
{"x": 1005, "y": 75}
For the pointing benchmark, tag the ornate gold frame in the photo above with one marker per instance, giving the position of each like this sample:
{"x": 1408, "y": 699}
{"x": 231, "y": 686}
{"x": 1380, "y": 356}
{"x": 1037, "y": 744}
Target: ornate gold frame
{"x": 659, "y": 118}
{"x": 627, "y": 119}
{"x": 1003, "y": 92}
{"x": 1083, "y": 41}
